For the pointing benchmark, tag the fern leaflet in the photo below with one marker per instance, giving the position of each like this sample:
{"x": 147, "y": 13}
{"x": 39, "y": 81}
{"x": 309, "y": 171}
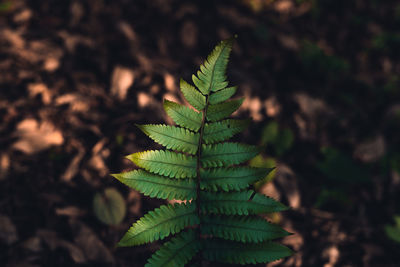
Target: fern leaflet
{"x": 166, "y": 163}
{"x": 172, "y": 137}
{"x": 192, "y": 95}
{"x": 223, "y": 130}
{"x": 222, "y": 110}
{"x": 154, "y": 185}
{"x": 239, "y": 203}
{"x": 225, "y": 154}
{"x": 239, "y": 253}
{"x": 176, "y": 252}
{"x": 227, "y": 179}
{"x": 222, "y": 95}
{"x": 243, "y": 229}
{"x": 160, "y": 223}
{"x": 182, "y": 115}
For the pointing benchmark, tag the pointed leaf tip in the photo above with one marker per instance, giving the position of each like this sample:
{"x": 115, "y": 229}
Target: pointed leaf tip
{"x": 212, "y": 73}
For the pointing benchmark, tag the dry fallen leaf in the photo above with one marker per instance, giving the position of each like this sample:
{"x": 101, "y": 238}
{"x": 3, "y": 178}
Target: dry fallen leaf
{"x": 33, "y": 244}
{"x": 88, "y": 241}
{"x": 4, "y": 166}
{"x": 122, "y": 79}
{"x": 372, "y": 150}
{"x": 35, "y": 137}
{"x": 70, "y": 211}
{"x": 52, "y": 240}
{"x": 77, "y": 102}
{"x": 73, "y": 167}
{"x": 8, "y": 231}
{"x": 40, "y": 89}
{"x": 286, "y": 178}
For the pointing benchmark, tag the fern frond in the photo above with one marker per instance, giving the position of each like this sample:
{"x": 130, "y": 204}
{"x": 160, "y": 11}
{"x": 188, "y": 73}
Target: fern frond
{"x": 154, "y": 185}
{"x": 231, "y": 179}
{"x": 183, "y": 116}
{"x": 167, "y": 163}
{"x": 211, "y": 76}
{"x": 199, "y": 166}
{"x": 160, "y": 223}
{"x": 222, "y": 95}
{"x": 222, "y": 110}
{"x": 240, "y": 253}
{"x": 172, "y": 137}
{"x": 192, "y": 95}
{"x": 226, "y": 154}
{"x": 223, "y": 130}
{"x": 176, "y": 252}
{"x": 243, "y": 229}
{"x": 239, "y": 203}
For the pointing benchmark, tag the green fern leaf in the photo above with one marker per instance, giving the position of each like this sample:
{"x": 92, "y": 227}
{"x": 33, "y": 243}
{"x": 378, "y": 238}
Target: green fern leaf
{"x": 239, "y": 203}
{"x": 229, "y": 179}
{"x": 219, "y": 217}
{"x": 167, "y": 163}
{"x": 222, "y": 110}
{"x": 223, "y": 130}
{"x": 226, "y": 154}
{"x": 172, "y": 137}
{"x": 154, "y": 185}
{"x": 222, "y": 95}
{"x": 160, "y": 223}
{"x": 239, "y": 253}
{"x": 243, "y": 229}
{"x": 176, "y": 252}
{"x": 192, "y": 95}
{"x": 183, "y": 116}
{"x": 211, "y": 76}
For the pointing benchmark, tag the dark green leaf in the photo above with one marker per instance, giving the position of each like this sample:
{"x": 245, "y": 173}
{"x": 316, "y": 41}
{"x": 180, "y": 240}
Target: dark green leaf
{"x": 154, "y": 185}
{"x": 109, "y": 206}
{"x": 160, "y": 223}
{"x": 183, "y": 116}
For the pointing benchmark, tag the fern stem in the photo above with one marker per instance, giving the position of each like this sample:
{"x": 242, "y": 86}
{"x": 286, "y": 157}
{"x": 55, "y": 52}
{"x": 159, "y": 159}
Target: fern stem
{"x": 198, "y": 166}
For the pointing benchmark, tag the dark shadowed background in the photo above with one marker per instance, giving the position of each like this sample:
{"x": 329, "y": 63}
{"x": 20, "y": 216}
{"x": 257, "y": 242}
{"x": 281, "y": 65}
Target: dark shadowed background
{"x": 321, "y": 80}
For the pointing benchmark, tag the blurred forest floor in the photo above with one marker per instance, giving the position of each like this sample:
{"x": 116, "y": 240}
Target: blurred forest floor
{"x": 321, "y": 81}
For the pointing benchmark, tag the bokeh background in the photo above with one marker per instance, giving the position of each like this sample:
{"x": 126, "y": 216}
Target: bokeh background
{"x": 321, "y": 81}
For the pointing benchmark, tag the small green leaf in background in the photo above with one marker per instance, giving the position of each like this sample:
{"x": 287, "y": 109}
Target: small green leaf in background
{"x": 263, "y": 162}
{"x": 316, "y": 61}
{"x": 119, "y": 139}
{"x": 284, "y": 142}
{"x": 340, "y": 167}
{"x": 327, "y": 196}
{"x": 393, "y": 231}
{"x": 5, "y": 6}
{"x": 397, "y": 12}
{"x": 280, "y": 140}
{"x": 392, "y": 84}
{"x": 270, "y": 133}
{"x": 395, "y": 163}
{"x": 109, "y": 206}
{"x": 261, "y": 32}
